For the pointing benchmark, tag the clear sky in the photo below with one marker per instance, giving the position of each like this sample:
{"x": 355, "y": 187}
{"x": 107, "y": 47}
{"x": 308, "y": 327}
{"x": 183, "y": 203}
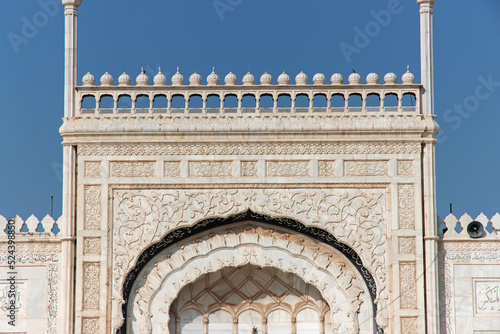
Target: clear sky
{"x": 257, "y": 36}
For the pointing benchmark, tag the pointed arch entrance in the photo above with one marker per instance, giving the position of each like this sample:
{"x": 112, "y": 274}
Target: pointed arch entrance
{"x": 264, "y": 243}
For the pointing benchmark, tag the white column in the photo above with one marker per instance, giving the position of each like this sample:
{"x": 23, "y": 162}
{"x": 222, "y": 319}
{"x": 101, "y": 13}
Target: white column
{"x": 431, "y": 264}
{"x": 67, "y": 302}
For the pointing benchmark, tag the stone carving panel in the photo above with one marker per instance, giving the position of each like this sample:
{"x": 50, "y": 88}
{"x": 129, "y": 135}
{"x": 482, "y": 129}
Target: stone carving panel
{"x": 92, "y": 207}
{"x": 90, "y": 325}
{"x": 326, "y": 168}
{"x": 172, "y": 168}
{"x": 405, "y": 168}
{"x": 132, "y": 169}
{"x": 408, "y": 281}
{"x": 91, "y": 246}
{"x": 288, "y": 168}
{"x": 210, "y": 168}
{"x": 324, "y": 269}
{"x": 487, "y": 296}
{"x": 406, "y": 206}
{"x": 33, "y": 247}
{"x": 91, "y": 284}
{"x": 249, "y": 168}
{"x": 246, "y": 149}
{"x": 407, "y": 245}
{"x": 93, "y": 169}
{"x": 52, "y": 282}
{"x": 366, "y": 168}
{"x": 355, "y": 217}
{"x": 409, "y": 325}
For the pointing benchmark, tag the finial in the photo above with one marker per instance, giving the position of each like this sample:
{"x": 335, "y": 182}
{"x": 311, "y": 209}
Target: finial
{"x": 177, "y": 69}
{"x": 159, "y": 69}
{"x": 213, "y": 69}
{"x": 142, "y": 69}
{"x": 408, "y": 68}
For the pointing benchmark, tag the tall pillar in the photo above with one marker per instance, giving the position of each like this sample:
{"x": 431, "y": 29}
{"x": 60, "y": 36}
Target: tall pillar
{"x": 67, "y": 302}
{"x": 431, "y": 264}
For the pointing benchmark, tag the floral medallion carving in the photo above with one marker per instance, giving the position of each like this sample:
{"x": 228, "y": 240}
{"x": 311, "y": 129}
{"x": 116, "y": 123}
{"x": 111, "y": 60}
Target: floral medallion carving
{"x": 406, "y": 206}
{"x": 288, "y": 168}
{"x": 326, "y": 168}
{"x": 91, "y": 246}
{"x": 405, "y": 168}
{"x": 93, "y": 169}
{"x": 92, "y": 207}
{"x": 132, "y": 169}
{"x": 249, "y": 168}
{"x": 407, "y": 245}
{"x": 355, "y": 217}
{"x": 91, "y": 284}
{"x": 409, "y": 325}
{"x": 210, "y": 168}
{"x": 172, "y": 168}
{"x": 366, "y": 168}
{"x": 408, "y": 284}
{"x": 90, "y": 325}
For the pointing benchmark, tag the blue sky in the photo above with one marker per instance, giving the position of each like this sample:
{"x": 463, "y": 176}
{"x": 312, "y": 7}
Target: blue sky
{"x": 256, "y": 36}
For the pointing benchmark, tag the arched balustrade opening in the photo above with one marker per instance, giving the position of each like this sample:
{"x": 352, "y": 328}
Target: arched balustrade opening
{"x": 320, "y": 103}
{"x": 142, "y": 104}
{"x": 124, "y": 104}
{"x": 230, "y": 103}
{"x": 266, "y": 103}
{"x": 160, "y": 104}
{"x": 409, "y": 102}
{"x": 355, "y": 103}
{"x": 302, "y": 103}
{"x": 106, "y": 104}
{"x": 337, "y": 103}
{"x": 372, "y": 102}
{"x": 89, "y": 104}
{"x": 213, "y": 104}
{"x": 284, "y": 103}
{"x": 195, "y": 104}
{"x": 248, "y": 103}
{"x": 391, "y": 102}
{"x": 178, "y": 104}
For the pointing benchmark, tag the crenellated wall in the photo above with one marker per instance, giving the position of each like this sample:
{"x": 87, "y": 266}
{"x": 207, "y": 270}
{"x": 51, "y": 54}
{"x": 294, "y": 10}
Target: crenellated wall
{"x": 30, "y": 274}
{"x": 470, "y": 276}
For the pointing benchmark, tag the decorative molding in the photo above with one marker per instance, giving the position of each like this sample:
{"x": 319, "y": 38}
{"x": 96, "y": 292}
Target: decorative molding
{"x": 249, "y": 168}
{"x": 210, "y": 168}
{"x": 52, "y": 290}
{"x": 90, "y": 325}
{"x": 366, "y": 168}
{"x": 326, "y": 168}
{"x": 406, "y": 206}
{"x": 32, "y": 258}
{"x": 91, "y": 285}
{"x": 408, "y": 281}
{"x": 406, "y": 168}
{"x": 93, "y": 169}
{"x": 172, "y": 168}
{"x": 355, "y": 217}
{"x": 92, "y": 246}
{"x": 407, "y": 245}
{"x": 246, "y": 149}
{"x": 258, "y": 246}
{"x": 33, "y": 248}
{"x": 132, "y": 169}
{"x": 409, "y": 325}
{"x": 92, "y": 208}
{"x": 288, "y": 168}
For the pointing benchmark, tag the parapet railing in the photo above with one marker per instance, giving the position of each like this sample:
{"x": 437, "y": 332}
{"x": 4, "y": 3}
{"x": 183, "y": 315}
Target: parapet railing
{"x": 466, "y": 227}
{"x": 231, "y": 99}
{"x": 31, "y": 227}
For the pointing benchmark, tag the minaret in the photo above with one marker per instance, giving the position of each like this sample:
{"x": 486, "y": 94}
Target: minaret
{"x": 428, "y": 169}
{"x": 67, "y": 302}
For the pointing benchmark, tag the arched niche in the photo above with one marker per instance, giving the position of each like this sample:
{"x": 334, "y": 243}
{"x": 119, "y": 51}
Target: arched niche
{"x": 262, "y": 245}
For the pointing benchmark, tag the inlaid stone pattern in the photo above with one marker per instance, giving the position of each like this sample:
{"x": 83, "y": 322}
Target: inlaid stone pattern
{"x": 90, "y": 325}
{"x": 172, "y": 168}
{"x": 92, "y": 207}
{"x": 132, "y": 169}
{"x": 406, "y": 194}
{"x": 326, "y": 168}
{"x": 407, "y": 245}
{"x": 405, "y": 168}
{"x": 366, "y": 168}
{"x": 249, "y": 168}
{"x": 93, "y": 169}
{"x": 409, "y": 325}
{"x": 210, "y": 168}
{"x": 91, "y": 283}
{"x": 288, "y": 168}
{"x": 407, "y": 279}
{"x": 92, "y": 246}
